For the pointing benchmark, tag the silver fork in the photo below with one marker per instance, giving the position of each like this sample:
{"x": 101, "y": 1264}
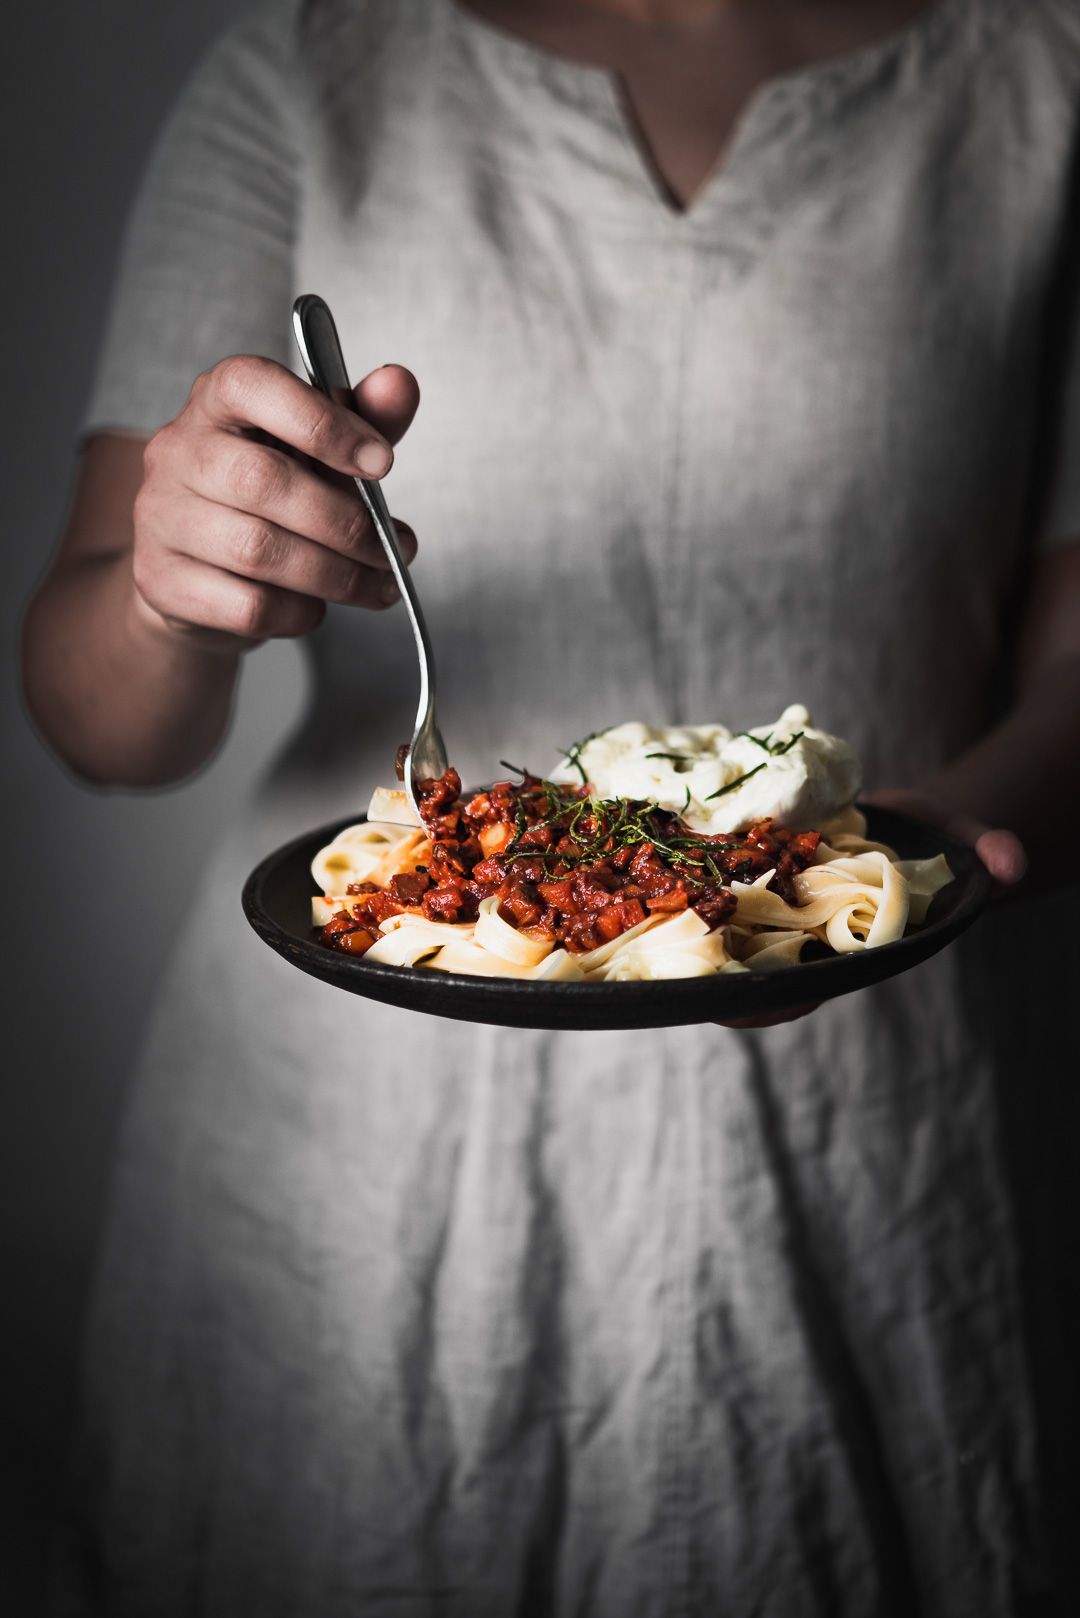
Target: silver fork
{"x": 320, "y": 350}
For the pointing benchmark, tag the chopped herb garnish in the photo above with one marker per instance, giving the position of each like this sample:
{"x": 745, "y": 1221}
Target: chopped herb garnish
{"x": 773, "y": 752}
{"x": 757, "y": 741}
{"x": 572, "y": 755}
{"x": 738, "y": 781}
{"x": 520, "y": 828}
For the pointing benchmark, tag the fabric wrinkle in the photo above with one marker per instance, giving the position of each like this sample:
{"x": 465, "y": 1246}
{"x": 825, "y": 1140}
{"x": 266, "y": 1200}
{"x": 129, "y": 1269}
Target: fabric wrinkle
{"x": 841, "y": 1381}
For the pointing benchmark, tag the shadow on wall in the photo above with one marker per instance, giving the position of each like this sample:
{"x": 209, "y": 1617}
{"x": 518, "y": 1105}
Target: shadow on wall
{"x": 81, "y": 959}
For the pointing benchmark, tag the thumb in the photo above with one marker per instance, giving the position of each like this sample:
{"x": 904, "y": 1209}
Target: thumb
{"x": 1001, "y": 851}
{"x": 1003, "y": 854}
{"x": 388, "y": 399}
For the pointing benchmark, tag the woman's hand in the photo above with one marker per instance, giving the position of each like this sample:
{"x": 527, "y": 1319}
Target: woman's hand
{"x": 240, "y": 535}
{"x": 1001, "y": 851}
{"x": 236, "y": 522}
{"x": 770, "y": 1019}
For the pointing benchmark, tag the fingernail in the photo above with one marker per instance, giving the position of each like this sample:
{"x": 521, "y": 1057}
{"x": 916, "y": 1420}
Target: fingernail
{"x": 388, "y": 590}
{"x": 374, "y": 460}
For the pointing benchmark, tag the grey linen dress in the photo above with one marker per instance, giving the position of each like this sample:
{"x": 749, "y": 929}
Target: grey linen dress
{"x": 405, "y": 1317}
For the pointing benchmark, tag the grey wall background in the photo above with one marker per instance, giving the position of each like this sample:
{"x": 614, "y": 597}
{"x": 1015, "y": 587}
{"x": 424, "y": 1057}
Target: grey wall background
{"x": 85, "y": 86}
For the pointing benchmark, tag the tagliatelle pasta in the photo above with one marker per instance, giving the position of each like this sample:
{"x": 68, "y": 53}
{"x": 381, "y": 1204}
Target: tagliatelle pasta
{"x": 679, "y": 946}
{"x": 358, "y": 854}
{"x": 546, "y": 881}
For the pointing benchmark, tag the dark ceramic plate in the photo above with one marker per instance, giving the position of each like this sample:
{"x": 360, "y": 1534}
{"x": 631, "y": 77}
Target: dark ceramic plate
{"x": 277, "y": 902}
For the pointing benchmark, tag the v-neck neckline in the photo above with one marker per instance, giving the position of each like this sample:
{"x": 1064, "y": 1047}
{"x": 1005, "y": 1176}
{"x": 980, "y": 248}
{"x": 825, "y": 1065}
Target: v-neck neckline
{"x": 604, "y": 88}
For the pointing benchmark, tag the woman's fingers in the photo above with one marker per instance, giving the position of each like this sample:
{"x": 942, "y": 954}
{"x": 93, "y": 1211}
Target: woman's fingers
{"x": 388, "y": 398}
{"x": 265, "y": 483}
{"x": 257, "y": 549}
{"x": 1003, "y": 854}
{"x": 246, "y": 391}
{"x": 770, "y": 1019}
{"x": 216, "y": 610}
{"x": 1000, "y": 850}
{"x": 248, "y": 520}
{"x": 254, "y": 549}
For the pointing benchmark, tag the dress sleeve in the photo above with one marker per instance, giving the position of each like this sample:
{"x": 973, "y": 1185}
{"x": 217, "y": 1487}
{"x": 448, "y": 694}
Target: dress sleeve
{"x": 206, "y": 268}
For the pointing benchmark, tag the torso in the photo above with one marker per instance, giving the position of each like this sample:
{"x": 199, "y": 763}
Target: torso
{"x": 689, "y": 68}
{"x": 436, "y": 1305}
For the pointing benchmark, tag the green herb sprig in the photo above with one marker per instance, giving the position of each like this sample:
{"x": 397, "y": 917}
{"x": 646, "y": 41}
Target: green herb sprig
{"x": 621, "y": 823}
{"x": 738, "y": 781}
{"x": 774, "y": 752}
{"x": 572, "y": 754}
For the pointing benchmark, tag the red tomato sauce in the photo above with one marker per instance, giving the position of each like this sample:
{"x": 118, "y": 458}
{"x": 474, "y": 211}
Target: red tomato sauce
{"x": 565, "y": 867}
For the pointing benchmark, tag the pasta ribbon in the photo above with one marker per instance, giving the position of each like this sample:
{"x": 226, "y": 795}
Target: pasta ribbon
{"x": 848, "y": 821}
{"x": 860, "y": 903}
{"x": 323, "y": 909}
{"x": 411, "y": 944}
{"x": 357, "y": 853}
{"x": 503, "y": 940}
{"x": 595, "y": 958}
{"x": 446, "y": 930}
{"x": 411, "y": 940}
{"x": 474, "y": 961}
{"x": 924, "y": 879}
{"x": 391, "y": 804}
{"x": 770, "y": 951}
{"x": 681, "y": 947}
{"x": 412, "y": 850}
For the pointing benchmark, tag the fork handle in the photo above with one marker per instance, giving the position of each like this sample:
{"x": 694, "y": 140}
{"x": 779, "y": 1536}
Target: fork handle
{"x": 320, "y": 350}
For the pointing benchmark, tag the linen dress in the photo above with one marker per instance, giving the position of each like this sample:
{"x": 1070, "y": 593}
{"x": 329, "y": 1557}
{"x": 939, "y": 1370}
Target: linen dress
{"x": 403, "y": 1316}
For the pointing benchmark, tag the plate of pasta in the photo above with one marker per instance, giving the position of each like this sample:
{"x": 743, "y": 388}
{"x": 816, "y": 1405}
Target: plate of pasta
{"x": 659, "y": 876}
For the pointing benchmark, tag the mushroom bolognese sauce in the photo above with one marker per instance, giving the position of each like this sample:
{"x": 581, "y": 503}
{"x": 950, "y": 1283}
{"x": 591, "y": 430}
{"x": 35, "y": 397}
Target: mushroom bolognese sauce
{"x": 566, "y": 867}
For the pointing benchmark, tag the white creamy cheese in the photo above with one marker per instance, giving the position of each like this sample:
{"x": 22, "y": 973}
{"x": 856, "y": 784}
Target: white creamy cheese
{"x": 798, "y": 775}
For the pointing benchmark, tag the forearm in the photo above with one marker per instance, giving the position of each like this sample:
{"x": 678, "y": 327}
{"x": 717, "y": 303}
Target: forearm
{"x": 123, "y": 699}
{"x": 1025, "y": 773}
